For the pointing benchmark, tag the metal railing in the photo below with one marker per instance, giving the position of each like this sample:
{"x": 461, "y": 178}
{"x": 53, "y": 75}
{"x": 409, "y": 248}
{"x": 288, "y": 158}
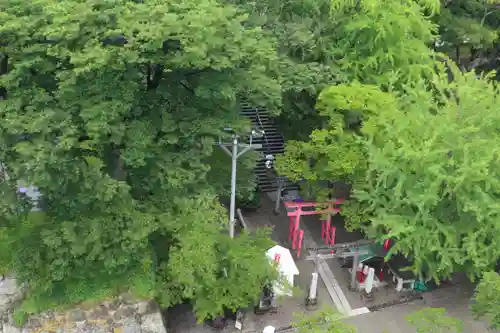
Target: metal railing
{"x": 273, "y": 143}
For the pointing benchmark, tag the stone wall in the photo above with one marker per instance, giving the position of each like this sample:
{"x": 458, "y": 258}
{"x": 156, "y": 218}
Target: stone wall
{"x": 123, "y": 314}
{"x": 10, "y": 293}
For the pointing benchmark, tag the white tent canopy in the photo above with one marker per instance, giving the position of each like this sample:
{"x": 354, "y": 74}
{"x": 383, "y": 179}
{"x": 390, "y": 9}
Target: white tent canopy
{"x": 286, "y": 267}
{"x": 269, "y": 329}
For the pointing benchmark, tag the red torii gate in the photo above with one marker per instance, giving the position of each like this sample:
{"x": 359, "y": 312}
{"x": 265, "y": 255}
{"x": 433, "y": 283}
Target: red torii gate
{"x": 327, "y": 231}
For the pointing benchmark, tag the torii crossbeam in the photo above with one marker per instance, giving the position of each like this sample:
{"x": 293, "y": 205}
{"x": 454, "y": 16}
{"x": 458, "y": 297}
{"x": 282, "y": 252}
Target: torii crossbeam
{"x": 295, "y": 211}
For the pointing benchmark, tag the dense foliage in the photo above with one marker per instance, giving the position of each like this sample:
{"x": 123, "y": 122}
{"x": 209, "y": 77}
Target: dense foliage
{"x": 113, "y": 110}
{"x": 469, "y": 31}
{"x": 434, "y": 187}
{"x": 384, "y": 46}
{"x": 368, "y": 41}
{"x": 487, "y": 299}
{"x": 417, "y": 146}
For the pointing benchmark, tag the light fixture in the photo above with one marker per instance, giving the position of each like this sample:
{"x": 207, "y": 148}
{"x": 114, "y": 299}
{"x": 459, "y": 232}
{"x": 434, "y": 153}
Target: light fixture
{"x": 269, "y": 161}
{"x": 257, "y": 133}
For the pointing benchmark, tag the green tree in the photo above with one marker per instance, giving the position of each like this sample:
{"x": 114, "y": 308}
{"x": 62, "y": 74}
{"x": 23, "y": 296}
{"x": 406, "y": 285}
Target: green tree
{"x": 430, "y": 187}
{"x": 487, "y": 299}
{"x": 369, "y": 43}
{"x": 234, "y": 272}
{"x": 334, "y": 152}
{"x": 468, "y": 32}
{"x": 113, "y": 109}
{"x": 383, "y": 38}
{"x": 432, "y": 178}
{"x": 305, "y": 35}
{"x": 434, "y": 320}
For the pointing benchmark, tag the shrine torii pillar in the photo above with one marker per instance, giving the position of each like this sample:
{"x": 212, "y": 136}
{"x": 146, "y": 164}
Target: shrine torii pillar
{"x": 295, "y": 211}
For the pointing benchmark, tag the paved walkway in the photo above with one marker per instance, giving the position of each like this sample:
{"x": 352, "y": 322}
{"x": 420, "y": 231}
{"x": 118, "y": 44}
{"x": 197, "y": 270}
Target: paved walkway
{"x": 392, "y": 320}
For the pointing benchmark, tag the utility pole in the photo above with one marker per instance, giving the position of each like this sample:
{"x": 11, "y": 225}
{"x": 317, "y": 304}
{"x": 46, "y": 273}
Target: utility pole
{"x": 235, "y": 153}
{"x": 232, "y": 209}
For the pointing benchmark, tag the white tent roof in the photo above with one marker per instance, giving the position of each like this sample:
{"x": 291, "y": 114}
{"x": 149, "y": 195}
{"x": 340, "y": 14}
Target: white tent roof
{"x": 286, "y": 264}
{"x": 269, "y": 329}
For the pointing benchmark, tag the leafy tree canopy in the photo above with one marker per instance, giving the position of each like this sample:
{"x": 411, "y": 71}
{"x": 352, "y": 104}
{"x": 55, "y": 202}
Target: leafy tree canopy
{"x": 468, "y": 32}
{"x": 112, "y": 109}
{"x": 430, "y": 187}
{"x": 334, "y": 152}
{"x": 341, "y": 41}
{"x": 487, "y": 299}
{"x": 434, "y": 187}
{"x": 373, "y": 43}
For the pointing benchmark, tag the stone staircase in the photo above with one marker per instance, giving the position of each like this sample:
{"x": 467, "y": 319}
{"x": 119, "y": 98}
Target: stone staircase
{"x": 272, "y": 143}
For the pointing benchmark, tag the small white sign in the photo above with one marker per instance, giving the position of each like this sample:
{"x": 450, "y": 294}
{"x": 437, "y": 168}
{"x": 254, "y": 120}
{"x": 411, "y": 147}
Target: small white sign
{"x": 238, "y": 325}
{"x": 314, "y": 286}
{"x": 369, "y": 280}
